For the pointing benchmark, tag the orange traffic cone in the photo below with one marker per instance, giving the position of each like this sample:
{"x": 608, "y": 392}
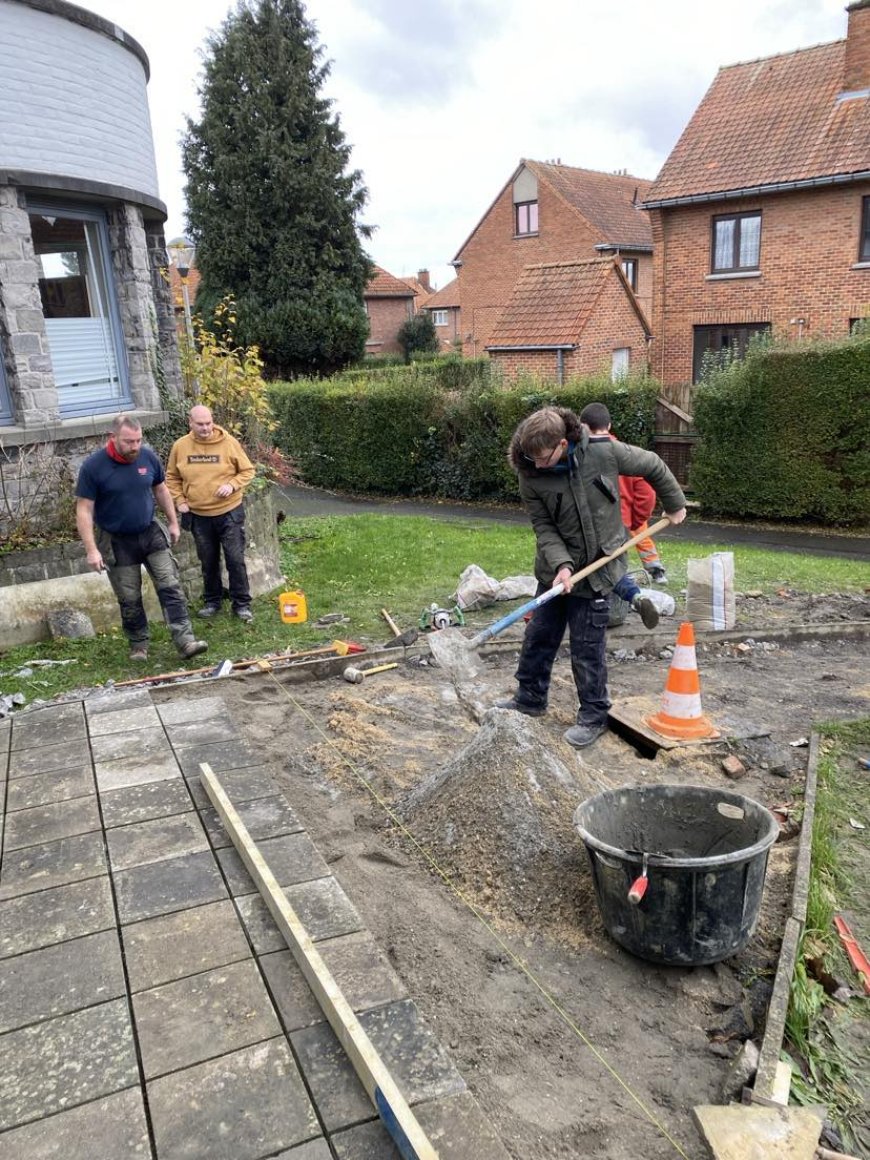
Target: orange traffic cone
{"x": 680, "y": 714}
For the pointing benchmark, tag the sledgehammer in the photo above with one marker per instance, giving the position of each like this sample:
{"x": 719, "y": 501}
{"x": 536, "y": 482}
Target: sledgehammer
{"x": 357, "y": 676}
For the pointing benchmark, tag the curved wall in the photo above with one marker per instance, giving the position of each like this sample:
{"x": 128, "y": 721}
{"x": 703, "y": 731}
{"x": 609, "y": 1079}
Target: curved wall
{"x": 73, "y": 102}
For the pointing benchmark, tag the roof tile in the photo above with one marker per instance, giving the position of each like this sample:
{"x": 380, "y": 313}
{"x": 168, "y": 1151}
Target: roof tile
{"x": 551, "y": 304}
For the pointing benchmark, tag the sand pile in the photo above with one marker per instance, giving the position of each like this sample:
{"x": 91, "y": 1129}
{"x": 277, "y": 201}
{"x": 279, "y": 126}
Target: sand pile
{"x": 498, "y": 819}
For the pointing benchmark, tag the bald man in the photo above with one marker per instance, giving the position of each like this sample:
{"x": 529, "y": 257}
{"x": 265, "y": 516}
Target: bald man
{"x": 207, "y": 474}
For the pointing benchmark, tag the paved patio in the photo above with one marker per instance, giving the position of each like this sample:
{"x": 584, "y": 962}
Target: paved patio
{"x": 149, "y": 1006}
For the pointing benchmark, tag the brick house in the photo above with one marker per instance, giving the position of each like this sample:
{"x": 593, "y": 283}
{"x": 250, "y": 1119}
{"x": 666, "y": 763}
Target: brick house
{"x": 569, "y": 319}
{"x": 546, "y": 213}
{"x": 86, "y": 319}
{"x": 761, "y": 215}
{"x": 443, "y": 305}
{"x": 389, "y": 302}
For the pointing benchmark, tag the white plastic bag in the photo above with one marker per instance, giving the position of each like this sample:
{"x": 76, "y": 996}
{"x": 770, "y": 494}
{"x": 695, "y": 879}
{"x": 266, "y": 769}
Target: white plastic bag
{"x": 477, "y": 590}
{"x": 710, "y": 603}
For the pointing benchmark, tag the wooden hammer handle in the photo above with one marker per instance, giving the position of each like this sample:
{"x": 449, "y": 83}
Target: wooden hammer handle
{"x": 390, "y": 622}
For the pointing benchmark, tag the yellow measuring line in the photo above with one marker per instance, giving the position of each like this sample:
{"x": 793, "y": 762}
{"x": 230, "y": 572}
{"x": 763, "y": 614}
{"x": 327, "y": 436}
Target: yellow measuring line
{"x": 517, "y": 961}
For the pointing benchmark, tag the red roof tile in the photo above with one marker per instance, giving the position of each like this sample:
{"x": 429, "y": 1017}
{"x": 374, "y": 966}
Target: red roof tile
{"x": 769, "y": 121}
{"x": 609, "y": 201}
{"x": 445, "y": 297}
{"x": 551, "y": 304}
{"x": 384, "y": 285}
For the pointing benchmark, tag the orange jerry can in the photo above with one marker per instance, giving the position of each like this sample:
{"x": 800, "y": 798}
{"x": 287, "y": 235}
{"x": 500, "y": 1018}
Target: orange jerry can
{"x": 293, "y": 607}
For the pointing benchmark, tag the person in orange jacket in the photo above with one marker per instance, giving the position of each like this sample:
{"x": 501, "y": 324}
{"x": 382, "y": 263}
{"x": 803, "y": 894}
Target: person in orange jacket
{"x": 636, "y": 497}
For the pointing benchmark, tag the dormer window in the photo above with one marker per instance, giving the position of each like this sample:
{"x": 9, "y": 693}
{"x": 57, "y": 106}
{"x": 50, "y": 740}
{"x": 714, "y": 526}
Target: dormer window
{"x": 526, "y": 218}
{"x": 736, "y": 242}
{"x": 864, "y": 254}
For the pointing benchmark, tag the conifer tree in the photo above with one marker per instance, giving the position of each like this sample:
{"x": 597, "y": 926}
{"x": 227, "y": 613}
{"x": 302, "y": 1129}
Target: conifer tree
{"x": 271, "y": 203}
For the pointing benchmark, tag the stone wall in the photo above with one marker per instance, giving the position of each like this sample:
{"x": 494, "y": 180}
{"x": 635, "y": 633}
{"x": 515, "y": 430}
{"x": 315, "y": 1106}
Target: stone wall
{"x": 39, "y": 580}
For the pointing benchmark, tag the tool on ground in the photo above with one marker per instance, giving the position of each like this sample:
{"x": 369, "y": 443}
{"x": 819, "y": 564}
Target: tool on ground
{"x": 396, "y": 1116}
{"x": 680, "y": 715}
{"x": 400, "y": 639}
{"x": 638, "y": 887}
{"x": 437, "y": 618}
{"x": 341, "y": 648}
{"x": 449, "y": 653}
{"x": 856, "y": 956}
{"x": 357, "y": 676}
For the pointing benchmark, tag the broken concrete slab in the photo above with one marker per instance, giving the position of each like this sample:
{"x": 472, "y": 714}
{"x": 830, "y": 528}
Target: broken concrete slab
{"x": 69, "y": 624}
{"x": 738, "y": 1132}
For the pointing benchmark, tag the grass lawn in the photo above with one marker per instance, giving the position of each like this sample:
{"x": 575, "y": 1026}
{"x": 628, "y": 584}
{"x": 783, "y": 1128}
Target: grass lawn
{"x": 360, "y": 564}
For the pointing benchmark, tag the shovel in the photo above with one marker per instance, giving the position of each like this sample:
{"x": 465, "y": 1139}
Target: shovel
{"x": 450, "y": 648}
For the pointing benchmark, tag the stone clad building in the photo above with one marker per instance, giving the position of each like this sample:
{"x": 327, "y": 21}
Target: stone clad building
{"x": 86, "y": 320}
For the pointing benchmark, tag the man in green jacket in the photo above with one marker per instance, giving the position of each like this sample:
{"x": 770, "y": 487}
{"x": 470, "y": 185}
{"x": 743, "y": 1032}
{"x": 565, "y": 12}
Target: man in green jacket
{"x": 571, "y": 489}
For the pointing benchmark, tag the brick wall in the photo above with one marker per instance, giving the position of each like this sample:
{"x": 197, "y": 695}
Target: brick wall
{"x": 614, "y": 324}
{"x": 809, "y": 253}
{"x": 493, "y": 259}
{"x": 386, "y": 316}
{"x": 447, "y": 335}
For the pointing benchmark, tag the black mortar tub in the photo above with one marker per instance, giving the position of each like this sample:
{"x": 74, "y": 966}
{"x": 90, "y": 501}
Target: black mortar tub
{"x": 705, "y": 855}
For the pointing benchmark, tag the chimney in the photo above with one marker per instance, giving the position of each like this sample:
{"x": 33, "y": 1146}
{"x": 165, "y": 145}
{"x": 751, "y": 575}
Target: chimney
{"x": 856, "y": 76}
{"x": 423, "y": 275}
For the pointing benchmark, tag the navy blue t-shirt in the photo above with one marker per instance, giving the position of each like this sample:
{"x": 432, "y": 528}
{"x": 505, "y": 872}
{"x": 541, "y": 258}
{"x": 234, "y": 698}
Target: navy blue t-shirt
{"x": 122, "y": 492}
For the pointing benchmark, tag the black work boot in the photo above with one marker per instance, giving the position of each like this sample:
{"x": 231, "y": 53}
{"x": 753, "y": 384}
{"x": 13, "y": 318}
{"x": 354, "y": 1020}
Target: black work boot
{"x": 521, "y": 707}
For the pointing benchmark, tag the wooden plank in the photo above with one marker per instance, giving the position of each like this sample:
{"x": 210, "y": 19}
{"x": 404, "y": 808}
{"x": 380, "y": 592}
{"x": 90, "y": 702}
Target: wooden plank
{"x": 390, "y": 1104}
{"x": 682, "y": 415}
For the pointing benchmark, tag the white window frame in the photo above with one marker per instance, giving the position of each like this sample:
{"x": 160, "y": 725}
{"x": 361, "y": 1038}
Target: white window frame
{"x": 620, "y": 363}
{"x": 439, "y": 317}
{"x": 79, "y": 400}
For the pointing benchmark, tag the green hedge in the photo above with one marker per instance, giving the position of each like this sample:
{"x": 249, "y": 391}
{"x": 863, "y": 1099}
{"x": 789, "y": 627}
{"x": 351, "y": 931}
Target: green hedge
{"x": 784, "y": 435}
{"x": 400, "y": 434}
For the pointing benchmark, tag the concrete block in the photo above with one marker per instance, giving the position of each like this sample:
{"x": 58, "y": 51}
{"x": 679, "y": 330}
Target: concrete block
{"x": 44, "y": 758}
{"x": 753, "y": 1132}
{"x": 57, "y": 786}
{"x": 118, "y": 720}
{"x": 322, "y": 906}
{"x": 140, "y": 743}
{"x": 268, "y": 817}
{"x": 242, "y": 783}
{"x": 136, "y": 770}
{"x": 199, "y": 709}
{"x": 50, "y": 822}
{"x": 202, "y": 732}
{"x": 219, "y": 755}
{"x": 57, "y": 725}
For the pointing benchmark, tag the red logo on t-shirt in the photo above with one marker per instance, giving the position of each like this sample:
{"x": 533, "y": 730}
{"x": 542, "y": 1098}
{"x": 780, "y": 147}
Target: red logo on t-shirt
{"x": 143, "y": 470}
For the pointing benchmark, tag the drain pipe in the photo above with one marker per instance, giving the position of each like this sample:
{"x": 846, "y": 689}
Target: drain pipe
{"x": 560, "y": 367}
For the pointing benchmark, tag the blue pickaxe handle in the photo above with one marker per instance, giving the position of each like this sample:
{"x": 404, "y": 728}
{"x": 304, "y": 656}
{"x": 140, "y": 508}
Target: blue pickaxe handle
{"x": 512, "y": 617}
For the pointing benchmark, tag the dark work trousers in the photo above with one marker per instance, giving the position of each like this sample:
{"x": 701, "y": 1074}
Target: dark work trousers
{"x": 227, "y": 532}
{"x": 586, "y": 621}
{"x": 124, "y": 557}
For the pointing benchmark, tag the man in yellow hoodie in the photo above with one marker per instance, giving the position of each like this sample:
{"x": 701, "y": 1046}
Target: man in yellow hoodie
{"x": 207, "y": 474}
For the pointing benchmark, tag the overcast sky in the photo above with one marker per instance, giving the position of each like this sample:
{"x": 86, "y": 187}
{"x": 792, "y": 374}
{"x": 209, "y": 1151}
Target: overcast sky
{"x": 441, "y": 98}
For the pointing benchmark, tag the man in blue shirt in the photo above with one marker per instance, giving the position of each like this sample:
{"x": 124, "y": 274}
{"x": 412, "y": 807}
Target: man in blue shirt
{"x": 116, "y": 493}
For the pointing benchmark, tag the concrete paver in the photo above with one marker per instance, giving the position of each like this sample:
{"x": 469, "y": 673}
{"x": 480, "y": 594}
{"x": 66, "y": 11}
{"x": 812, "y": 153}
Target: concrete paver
{"x": 107, "y": 1128}
{"x": 66, "y": 1061}
{"x": 238, "y": 1107}
{"x": 193, "y": 1020}
{"x": 56, "y": 914}
{"x": 185, "y": 942}
{"x": 60, "y": 978}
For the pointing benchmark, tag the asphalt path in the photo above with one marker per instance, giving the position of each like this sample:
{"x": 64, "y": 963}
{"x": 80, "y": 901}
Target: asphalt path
{"x": 311, "y": 501}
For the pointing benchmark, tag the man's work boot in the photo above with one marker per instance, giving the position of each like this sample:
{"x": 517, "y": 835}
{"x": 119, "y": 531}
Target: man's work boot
{"x": 139, "y": 652}
{"x": 649, "y": 614}
{"x": 244, "y": 614}
{"x": 193, "y": 648}
{"x": 521, "y": 707}
{"x": 208, "y": 611}
{"x": 582, "y": 735}
{"x": 657, "y": 574}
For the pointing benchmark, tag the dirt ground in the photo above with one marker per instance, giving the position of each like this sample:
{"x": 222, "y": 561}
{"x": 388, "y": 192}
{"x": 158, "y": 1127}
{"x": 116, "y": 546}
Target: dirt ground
{"x": 455, "y": 840}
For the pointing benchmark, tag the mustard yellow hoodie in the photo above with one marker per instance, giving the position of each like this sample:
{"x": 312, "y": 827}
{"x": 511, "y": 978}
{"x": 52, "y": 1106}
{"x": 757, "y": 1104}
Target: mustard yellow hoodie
{"x": 197, "y": 468}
